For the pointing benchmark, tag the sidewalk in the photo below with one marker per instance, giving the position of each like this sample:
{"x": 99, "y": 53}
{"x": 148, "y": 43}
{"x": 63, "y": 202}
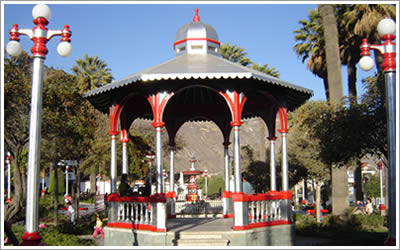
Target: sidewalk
{"x": 99, "y": 241}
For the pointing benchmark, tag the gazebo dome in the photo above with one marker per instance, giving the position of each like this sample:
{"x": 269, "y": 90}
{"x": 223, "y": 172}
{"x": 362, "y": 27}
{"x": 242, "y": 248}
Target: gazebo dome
{"x": 196, "y": 38}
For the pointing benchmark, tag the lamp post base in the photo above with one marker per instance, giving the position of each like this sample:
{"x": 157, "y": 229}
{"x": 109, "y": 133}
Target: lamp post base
{"x": 32, "y": 239}
{"x": 390, "y": 242}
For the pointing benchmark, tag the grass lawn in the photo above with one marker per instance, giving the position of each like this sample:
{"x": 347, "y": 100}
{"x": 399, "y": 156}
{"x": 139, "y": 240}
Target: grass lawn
{"x": 358, "y": 230}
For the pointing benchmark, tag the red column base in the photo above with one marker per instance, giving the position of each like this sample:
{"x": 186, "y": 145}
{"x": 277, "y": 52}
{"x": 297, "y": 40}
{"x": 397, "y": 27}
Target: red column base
{"x": 390, "y": 242}
{"x": 31, "y": 239}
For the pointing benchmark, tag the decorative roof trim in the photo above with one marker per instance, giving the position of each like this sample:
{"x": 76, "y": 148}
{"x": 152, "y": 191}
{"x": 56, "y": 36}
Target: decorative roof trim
{"x": 196, "y": 39}
{"x": 181, "y": 76}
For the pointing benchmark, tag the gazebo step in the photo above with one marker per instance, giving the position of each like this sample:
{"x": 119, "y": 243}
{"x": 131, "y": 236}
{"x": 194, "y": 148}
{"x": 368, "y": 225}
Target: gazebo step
{"x": 202, "y": 242}
{"x": 201, "y": 239}
{"x": 200, "y": 236}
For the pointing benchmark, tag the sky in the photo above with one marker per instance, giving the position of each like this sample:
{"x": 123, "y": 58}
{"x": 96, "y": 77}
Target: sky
{"x": 132, "y": 36}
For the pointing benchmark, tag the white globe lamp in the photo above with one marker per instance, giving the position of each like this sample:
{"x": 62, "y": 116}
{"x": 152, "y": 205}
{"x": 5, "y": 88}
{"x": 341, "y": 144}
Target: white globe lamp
{"x": 366, "y": 63}
{"x": 41, "y": 10}
{"x": 386, "y": 26}
{"x": 14, "y": 48}
{"x": 64, "y": 49}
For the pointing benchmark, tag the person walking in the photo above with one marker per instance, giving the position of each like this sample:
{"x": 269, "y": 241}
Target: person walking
{"x": 98, "y": 228}
{"x": 71, "y": 210}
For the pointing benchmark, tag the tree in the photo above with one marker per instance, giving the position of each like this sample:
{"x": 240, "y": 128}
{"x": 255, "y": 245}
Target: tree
{"x": 60, "y": 182}
{"x": 92, "y": 72}
{"x": 234, "y": 53}
{"x": 69, "y": 124}
{"x": 304, "y": 147}
{"x": 339, "y": 173}
{"x": 355, "y": 22}
{"x": 311, "y": 46}
{"x": 265, "y": 69}
{"x": 17, "y": 86}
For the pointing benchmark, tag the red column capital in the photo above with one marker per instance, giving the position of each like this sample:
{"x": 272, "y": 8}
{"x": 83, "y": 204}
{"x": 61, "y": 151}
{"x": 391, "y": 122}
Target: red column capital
{"x": 158, "y": 102}
{"x": 236, "y": 103}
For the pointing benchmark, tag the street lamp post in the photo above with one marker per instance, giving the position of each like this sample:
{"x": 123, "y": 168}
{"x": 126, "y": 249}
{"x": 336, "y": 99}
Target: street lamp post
{"x": 382, "y": 205}
{"x": 66, "y": 180}
{"x": 40, "y": 35}
{"x": 386, "y": 29}
{"x": 8, "y": 161}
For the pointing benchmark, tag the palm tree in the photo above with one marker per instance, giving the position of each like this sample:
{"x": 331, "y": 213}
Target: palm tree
{"x": 234, "y": 53}
{"x": 356, "y": 22}
{"x": 92, "y": 72}
{"x": 265, "y": 69}
{"x": 339, "y": 174}
{"x": 311, "y": 45}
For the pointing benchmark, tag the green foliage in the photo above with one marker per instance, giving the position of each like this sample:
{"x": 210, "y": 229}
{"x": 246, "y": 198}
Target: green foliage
{"x": 61, "y": 235}
{"x": 234, "y": 53}
{"x": 61, "y": 182}
{"x": 237, "y": 54}
{"x": 304, "y": 147}
{"x": 374, "y": 186}
{"x": 215, "y": 185}
{"x": 92, "y": 73}
{"x": 359, "y": 230}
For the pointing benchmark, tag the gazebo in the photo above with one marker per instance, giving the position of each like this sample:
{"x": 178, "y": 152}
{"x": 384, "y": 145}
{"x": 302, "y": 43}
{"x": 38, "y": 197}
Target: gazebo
{"x": 197, "y": 85}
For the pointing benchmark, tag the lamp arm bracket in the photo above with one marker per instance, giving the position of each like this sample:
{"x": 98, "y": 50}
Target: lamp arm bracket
{"x": 26, "y": 32}
{"x": 52, "y": 33}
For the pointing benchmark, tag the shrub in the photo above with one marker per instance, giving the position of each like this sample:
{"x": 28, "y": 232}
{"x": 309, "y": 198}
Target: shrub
{"x": 61, "y": 235}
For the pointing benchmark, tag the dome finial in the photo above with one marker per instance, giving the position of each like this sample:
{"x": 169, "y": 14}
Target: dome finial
{"x": 196, "y": 17}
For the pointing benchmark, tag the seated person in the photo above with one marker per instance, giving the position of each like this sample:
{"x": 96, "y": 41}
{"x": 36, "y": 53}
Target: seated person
{"x": 124, "y": 189}
{"x": 369, "y": 209}
{"x": 359, "y": 209}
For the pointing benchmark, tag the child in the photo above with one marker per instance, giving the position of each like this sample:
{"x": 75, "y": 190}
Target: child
{"x": 98, "y": 228}
{"x": 71, "y": 210}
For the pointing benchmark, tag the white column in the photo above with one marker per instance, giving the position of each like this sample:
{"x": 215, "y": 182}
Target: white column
{"x": 227, "y": 169}
{"x": 171, "y": 169}
{"x": 236, "y": 145}
{"x": 272, "y": 168}
{"x": 285, "y": 182}
{"x": 113, "y": 172}
{"x": 124, "y": 141}
{"x": 159, "y": 169}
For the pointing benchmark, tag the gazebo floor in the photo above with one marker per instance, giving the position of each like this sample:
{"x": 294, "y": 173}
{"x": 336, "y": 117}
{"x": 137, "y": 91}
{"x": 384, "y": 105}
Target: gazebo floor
{"x": 210, "y": 224}
{"x": 202, "y": 231}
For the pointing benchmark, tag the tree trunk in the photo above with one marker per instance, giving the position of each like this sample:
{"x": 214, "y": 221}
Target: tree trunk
{"x": 74, "y": 193}
{"x": 92, "y": 179}
{"x": 351, "y": 78}
{"x": 340, "y": 196}
{"x": 326, "y": 86}
{"x": 17, "y": 202}
{"x": 358, "y": 182}
{"x": 78, "y": 189}
{"x": 332, "y": 52}
{"x": 340, "y": 199}
{"x": 318, "y": 201}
